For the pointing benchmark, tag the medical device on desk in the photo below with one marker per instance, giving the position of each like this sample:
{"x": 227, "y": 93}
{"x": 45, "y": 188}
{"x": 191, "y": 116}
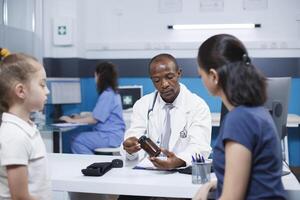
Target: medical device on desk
{"x": 183, "y": 132}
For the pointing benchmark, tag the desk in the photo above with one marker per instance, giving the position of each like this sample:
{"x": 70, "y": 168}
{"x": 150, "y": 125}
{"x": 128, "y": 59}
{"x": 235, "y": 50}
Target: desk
{"x": 66, "y": 176}
{"x": 56, "y": 133}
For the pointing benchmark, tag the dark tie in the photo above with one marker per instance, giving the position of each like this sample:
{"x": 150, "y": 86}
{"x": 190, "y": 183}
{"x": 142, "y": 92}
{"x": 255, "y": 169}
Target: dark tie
{"x": 167, "y": 133}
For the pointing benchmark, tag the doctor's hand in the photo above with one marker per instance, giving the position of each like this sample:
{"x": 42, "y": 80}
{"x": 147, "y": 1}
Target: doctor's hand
{"x": 131, "y": 145}
{"x": 204, "y": 190}
{"x": 171, "y": 162}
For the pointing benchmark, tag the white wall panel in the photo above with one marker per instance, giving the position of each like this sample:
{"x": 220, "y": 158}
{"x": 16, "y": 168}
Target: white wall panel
{"x": 138, "y": 28}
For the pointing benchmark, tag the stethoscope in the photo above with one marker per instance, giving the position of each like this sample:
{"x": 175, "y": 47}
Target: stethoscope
{"x": 148, "y": 117}
{"x": 182, "y": 134}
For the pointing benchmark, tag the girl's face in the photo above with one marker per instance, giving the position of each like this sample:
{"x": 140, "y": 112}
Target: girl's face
{"x": 37, "y": 90}
{"x": 210, "y": 81}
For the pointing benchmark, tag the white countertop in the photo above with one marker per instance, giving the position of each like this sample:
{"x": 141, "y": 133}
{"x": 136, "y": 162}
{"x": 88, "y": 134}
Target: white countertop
{"x": 67, "y": 176}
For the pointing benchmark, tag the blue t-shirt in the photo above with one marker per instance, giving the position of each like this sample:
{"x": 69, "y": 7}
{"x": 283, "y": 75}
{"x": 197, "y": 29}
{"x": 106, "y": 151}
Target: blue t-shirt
{"x": 109, "y": 114}
{"x": 252, "y": 127}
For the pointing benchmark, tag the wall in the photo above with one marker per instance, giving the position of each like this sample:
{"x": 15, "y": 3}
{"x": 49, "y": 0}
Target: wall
{"x": 21, "y": 27}
{"x": 123, "y": 29}
{"x": 138, "y": 28}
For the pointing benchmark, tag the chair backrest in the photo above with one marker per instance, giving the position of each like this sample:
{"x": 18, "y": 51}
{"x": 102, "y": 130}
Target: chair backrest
{"x": 278, "y": 91}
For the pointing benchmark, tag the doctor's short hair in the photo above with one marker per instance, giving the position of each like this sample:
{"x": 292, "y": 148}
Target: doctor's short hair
{"x": 161, "y": 57}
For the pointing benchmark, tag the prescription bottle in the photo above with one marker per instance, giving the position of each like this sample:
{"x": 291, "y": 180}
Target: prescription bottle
{"x": 149, "y": 146}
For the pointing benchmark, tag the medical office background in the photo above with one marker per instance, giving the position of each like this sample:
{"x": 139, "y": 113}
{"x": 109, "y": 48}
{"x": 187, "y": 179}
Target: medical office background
{"x": 71, "y": 36}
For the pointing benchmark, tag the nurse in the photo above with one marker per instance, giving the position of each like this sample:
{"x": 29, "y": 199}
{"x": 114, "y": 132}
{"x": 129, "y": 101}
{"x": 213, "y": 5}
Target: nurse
{"x": 176, "y": 119}
{"x": 107, "y": 116}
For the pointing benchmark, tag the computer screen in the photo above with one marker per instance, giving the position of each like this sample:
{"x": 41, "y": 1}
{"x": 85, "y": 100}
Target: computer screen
{"x": 130, "y": 94}
{"x": 64, "y": 90}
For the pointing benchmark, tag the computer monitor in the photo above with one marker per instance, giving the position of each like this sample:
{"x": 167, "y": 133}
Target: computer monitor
{"x": 63, "y": 91}
{"x": 130, "y": 94}
{"x": 278, "y": 91}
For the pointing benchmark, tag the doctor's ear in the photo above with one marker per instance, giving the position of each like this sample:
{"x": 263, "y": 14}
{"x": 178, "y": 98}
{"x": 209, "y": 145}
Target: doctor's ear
{"x": 179, "y": 72}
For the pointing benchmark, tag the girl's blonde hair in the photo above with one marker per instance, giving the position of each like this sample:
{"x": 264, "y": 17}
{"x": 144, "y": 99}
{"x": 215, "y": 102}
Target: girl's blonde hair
{"x": 13, "y": 69}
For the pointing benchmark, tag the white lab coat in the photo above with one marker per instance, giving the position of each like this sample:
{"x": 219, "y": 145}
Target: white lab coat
{"x": 190, "y": 124}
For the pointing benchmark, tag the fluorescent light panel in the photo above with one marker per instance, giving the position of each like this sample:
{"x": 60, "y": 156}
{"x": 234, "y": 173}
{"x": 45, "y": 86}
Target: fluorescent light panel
{"x": 213, "y": 26}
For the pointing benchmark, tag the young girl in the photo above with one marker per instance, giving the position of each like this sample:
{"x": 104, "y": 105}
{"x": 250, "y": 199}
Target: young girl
{"x": 23, "y": 164}
{"x": 247, "y": 156}
{"x": 107, "y": 115}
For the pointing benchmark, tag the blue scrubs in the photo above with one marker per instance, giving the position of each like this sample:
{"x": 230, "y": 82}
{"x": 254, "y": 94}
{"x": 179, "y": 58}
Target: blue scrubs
{"x": 109, "y": 130}
{"x": 253, "y": 128}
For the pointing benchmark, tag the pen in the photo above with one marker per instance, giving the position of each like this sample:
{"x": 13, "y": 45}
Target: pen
{"x": 193, "y": 159}
{"x": 203, "y": 161}
{"x": 199, "y": 158}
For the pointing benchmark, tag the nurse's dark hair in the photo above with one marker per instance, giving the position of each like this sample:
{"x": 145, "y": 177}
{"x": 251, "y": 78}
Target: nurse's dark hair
{"x": 161, "y": 57}
{"x": 241, "y": 81}
{"x": 14, "y": 68}
{"x": 107, "y": 76}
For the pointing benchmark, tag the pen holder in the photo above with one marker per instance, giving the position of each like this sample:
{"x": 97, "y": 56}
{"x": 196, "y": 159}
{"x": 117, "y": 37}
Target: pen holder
{"x": 201, "y": 172}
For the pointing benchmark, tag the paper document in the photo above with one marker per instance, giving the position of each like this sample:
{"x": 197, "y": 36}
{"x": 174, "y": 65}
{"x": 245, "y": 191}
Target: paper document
{"x": 65, "y": 125}
{"x": 147, "y": 164}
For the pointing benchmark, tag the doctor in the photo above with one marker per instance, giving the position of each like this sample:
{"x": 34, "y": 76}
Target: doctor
{"x": 189, "y": 118}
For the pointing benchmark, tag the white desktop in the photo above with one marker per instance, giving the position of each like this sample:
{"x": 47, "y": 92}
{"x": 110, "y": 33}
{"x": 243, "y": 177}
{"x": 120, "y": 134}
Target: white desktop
{"x": 67, "y": 177}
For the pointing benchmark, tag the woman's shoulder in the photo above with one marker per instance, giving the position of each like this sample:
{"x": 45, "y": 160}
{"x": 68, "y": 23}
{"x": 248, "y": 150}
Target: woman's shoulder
{"x": 248, "y": 114}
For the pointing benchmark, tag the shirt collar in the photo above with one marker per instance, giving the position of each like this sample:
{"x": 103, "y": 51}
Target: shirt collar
{"x": 30, "y": 129}
{"x": 176, "y": 102}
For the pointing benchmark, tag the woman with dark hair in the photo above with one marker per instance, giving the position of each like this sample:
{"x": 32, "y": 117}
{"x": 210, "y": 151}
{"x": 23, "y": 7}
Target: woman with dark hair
{"x": 247, "y": 155}
{"x": 107, "y": 116}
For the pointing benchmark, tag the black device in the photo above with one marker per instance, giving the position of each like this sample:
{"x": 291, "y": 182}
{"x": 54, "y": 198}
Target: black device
{"x": 100, "y": 168}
